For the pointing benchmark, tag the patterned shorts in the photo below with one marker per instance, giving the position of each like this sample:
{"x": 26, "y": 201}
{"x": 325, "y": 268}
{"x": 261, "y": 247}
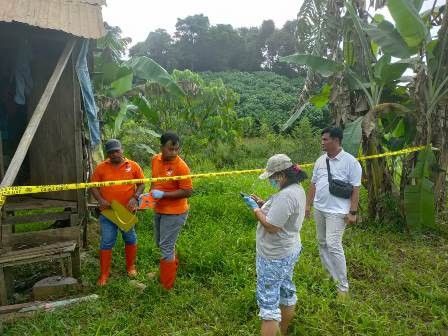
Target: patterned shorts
{"x": 274, "y": 285}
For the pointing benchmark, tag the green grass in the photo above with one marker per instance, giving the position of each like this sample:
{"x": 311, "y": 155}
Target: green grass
{"x": 398, "y": 282}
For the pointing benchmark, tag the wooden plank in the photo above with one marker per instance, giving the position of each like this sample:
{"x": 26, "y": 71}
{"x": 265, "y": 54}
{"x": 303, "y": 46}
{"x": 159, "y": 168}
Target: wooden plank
{"x": 76, "y": 262}
{"x": 16, "y": 307}
{"x": 3, "y": 291}
{"x": 34, "y": 122}
{"x": 69, "y": 245}
{"x": 37, "y": 259}
{"x": 16, "y": 203}
{"x": 23, "y": 254}
{"x": 2, "y": 164}
{"x": 5, "y": 232}
{"x": 81, "y": 171}
{"x": 37, "y": 238}
{"x": 57, "y": 132}
{"x": 12, "y": 260}
{"x": 74, "y": 220}
{"x": 44, "y": 217}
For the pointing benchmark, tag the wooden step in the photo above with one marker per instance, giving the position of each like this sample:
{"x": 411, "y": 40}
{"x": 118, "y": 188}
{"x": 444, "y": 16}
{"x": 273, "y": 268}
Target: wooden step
{"x": 61, "y": 249}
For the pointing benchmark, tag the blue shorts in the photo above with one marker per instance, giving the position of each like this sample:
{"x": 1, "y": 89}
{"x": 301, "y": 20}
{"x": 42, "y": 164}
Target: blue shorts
{"x": 109, "y": 232}
{"x": 274, "y": 285}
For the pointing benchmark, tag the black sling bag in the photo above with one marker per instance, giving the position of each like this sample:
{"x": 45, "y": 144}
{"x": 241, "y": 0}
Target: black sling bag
{"x": 338, "y": 188}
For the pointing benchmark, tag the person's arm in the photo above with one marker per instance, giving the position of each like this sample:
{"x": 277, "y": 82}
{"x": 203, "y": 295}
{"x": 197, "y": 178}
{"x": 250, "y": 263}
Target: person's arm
{"x": 133, "y": 201}
{"x": 310, "y": 199}
{"x": 139, "y": 191}
{"x": 354, "y": 201}
{"x": 101, "y": 201}
{"x": 263, "y": 221}
{"x": 179, "y": 193}
{"x": 355, "y": 180}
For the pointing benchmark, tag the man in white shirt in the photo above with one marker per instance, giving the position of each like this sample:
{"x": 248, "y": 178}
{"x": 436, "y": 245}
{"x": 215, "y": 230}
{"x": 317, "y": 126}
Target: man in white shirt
{"x": 331, "y": 213}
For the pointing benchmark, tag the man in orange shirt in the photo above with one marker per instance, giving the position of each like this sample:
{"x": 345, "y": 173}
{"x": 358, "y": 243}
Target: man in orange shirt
{"x": 115, "y": 168}
{"x": 171, "y": 207}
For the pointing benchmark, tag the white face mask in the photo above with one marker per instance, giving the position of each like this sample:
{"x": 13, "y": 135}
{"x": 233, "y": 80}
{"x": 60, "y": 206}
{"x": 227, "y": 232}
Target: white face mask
{"x": 274, "y": 183}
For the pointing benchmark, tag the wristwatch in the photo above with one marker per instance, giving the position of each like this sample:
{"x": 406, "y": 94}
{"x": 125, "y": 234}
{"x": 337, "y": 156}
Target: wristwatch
{"x": 353, "y": 212}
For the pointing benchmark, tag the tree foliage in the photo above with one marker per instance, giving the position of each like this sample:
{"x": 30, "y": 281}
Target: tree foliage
{"x": 198, "y": 46}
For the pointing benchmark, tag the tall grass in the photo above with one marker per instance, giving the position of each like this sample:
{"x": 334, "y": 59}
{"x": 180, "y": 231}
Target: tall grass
{"x": 398, "y": 282}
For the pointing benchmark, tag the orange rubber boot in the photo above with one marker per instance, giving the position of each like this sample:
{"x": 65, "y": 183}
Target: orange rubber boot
{"x": 105, "y": 261}
{"x": 168, "y": 269}
{"x": 131, "y": 253}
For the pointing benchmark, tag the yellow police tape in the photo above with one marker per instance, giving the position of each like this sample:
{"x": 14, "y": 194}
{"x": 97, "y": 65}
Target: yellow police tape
{"x": 22, "y": 190}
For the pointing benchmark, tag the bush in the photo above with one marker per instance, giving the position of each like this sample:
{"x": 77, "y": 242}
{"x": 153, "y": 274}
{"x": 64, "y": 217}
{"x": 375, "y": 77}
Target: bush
{"x": 303, "y": 146}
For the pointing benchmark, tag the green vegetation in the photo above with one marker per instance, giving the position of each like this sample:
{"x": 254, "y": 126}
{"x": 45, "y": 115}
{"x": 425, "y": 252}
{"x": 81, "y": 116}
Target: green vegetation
{"x": 197, "y": 46}
{"x": 267, "y": 98}
{"x": 399, "y": 282}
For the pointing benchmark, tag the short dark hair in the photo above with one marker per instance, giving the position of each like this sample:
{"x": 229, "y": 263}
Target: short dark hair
{"x": 294, "y": 174}
{"x": 335, "y": 132}
{"x": 169, "y": 136}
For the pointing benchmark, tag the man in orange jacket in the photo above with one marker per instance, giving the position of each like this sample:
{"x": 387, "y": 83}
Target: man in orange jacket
{"x": 171, "y": 207}
{"x": 115, "y": 168}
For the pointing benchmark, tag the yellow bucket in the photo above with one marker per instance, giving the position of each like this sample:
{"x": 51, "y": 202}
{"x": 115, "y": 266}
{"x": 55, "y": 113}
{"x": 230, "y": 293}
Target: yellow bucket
{"x": 120, "y": 215}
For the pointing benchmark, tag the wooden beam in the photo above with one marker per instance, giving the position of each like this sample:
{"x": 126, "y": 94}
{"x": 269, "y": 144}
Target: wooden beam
{"x": 28, "y": 135}
{"x": 2, "y": 164}
{"x": 37, "y": 238}
{"x": 44, "y": 217}
{"x": 3, "y": 291}
{"x": 16, "y": 307}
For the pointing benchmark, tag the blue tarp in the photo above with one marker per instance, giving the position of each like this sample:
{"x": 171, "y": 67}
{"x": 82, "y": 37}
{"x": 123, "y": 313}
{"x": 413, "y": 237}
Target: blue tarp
{"x": 87, "y": 94}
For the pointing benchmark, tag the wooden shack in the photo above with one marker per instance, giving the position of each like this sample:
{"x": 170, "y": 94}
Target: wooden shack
{"x": 43, "y": 138}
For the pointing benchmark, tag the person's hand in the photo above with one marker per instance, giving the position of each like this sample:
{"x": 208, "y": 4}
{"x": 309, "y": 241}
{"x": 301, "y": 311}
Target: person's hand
{"x": 351, "y": 219}
{"x": 103, "y": 204}
{"x": 132, "y": 204}
{"x": 250, "y": 202}
{"x": 308, "y": 212}
{"x": 157, "y": 193}
{"x": 257, "y": 199}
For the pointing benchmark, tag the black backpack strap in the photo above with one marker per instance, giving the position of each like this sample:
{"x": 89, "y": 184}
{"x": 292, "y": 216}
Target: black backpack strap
{"x": 328, "y": 170}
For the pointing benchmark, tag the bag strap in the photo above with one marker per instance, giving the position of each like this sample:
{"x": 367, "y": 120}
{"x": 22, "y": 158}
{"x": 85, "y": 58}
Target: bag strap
{"x": 330, "y": 178}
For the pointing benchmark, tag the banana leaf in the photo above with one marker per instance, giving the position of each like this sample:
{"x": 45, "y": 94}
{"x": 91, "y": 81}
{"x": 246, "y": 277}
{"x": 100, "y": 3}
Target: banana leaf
{"x": 352, "y": 136}
{"x": 323, "y": 66}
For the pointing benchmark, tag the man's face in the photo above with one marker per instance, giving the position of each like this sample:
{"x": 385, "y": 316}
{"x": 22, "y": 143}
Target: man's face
{"x": 115, "y": 156}
{"x": 170, "y": 150}
{"x": 328, "y": 143}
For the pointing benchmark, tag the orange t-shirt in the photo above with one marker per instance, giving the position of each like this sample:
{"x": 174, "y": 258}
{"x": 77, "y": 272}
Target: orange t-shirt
{"x": 127, "y": 170}
{"x": 177, "y": 167}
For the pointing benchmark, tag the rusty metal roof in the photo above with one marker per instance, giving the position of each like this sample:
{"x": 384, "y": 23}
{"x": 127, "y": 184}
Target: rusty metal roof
{"x": 78, "y": 17}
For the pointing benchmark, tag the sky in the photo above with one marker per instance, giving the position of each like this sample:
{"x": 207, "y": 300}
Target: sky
{"x": 137, "y": 18}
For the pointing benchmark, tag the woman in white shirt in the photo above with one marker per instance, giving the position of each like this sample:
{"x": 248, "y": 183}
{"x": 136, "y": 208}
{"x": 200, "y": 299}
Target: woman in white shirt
{"x": 280, "y": 219}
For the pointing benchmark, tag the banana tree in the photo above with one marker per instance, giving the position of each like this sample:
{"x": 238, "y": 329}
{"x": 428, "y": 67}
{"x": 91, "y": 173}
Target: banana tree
{"x": 377, "y": 85}
{"x": 356, "y": 98}
{"x": 411, "y": 36}
{"x": 121, "y": 89}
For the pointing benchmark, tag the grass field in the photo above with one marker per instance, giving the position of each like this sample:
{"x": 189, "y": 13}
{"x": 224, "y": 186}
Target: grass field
{"x": 399, "y": 283}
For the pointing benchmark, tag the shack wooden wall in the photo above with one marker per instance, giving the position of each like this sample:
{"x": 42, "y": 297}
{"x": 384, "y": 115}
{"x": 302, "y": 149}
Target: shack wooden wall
{"x": 55, "y": 155}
